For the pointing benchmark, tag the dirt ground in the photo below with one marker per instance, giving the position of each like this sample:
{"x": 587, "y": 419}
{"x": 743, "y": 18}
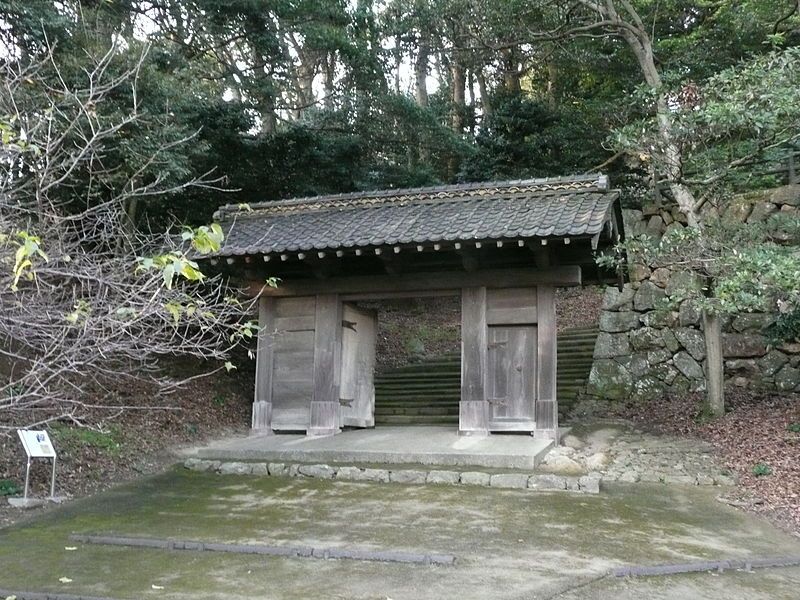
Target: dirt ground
{"x": 508, "y": 543}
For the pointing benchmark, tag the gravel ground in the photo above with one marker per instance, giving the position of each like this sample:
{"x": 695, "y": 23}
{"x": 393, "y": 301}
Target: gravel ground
{"x": 758, "y": 439}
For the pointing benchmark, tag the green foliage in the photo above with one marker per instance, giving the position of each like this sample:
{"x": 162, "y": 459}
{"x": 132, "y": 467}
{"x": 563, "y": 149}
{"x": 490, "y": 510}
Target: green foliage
{"x": 793, "y": 427}
{"x": 9, "y": 487}
{"x": 108, "y": 442}
{"x": 761, "y": 470}
{"x": 785, "y": 328}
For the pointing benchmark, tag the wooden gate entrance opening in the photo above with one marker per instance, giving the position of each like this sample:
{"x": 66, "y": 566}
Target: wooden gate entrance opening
{"x": 502, "y": 247}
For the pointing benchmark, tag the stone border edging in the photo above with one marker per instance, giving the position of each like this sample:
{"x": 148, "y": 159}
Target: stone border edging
{"x": 48, "y": 596}
{"x": 588, "y": 484}
{"x": 268, "y": 550}
{"x": 714, "y": 565}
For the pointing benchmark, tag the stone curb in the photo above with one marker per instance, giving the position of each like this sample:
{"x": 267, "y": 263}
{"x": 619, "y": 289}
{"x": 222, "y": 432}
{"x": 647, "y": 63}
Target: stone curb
{"x": 268, "y": 550}
{"x": 587, "y": 484}
{"x": 702, "y": 566}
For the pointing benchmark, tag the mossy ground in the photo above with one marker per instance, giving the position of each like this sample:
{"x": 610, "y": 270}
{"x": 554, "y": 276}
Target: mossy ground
{"x": 509, "y": 543}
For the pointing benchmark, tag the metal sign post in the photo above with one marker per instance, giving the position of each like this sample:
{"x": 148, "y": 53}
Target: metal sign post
{"x": 37, "y": 445}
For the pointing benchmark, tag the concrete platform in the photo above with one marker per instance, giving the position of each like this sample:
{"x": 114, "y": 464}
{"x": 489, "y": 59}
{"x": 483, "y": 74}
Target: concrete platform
{"x": 424, "y": 445}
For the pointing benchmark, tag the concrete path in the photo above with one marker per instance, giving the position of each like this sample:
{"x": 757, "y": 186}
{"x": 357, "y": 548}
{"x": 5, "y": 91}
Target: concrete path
{"x": 426, "y": 445}
{"x": 509, "y": 544}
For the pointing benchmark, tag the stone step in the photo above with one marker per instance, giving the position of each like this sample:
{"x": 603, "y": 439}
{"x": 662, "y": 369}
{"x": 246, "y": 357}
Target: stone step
{"x": 416, "y": 420}
{"x": 422, "y": 410}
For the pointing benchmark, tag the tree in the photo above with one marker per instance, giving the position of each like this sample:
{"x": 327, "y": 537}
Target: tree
{"x": 87, "y": 301}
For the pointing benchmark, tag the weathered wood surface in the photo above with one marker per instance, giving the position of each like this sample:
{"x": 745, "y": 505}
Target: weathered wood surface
{"x": 292, "y": 363}
{"x": 262, "y": 403}
{"x": 546, "y": 404}
{"x": 473, "y": 409}
{"x": 353, "y": 288}
{"x": 357, "y": 391}
{"x": 511, "y": 306}
{"x": 326, "y": 370}
{"x": 511, "y": 377}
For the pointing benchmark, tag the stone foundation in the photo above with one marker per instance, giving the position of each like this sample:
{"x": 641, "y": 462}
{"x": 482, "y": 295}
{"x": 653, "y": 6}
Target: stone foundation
{"x": 644, "y": 352}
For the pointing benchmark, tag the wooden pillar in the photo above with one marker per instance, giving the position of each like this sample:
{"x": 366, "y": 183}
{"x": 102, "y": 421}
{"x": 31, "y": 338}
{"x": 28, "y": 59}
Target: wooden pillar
{"x": 546, "y": 403}
{"x": 262, "y": 403}
{"x": 327, "y": 350}
{"x": 473, "y": 413}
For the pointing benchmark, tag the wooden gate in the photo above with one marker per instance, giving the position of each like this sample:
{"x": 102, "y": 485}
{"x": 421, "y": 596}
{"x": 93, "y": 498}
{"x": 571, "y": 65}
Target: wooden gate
{"x": 357, "y": 391}
{"x": 511, "y": 377}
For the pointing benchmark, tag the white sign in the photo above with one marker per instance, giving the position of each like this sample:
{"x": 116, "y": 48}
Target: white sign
{"x": 37, "y": 443}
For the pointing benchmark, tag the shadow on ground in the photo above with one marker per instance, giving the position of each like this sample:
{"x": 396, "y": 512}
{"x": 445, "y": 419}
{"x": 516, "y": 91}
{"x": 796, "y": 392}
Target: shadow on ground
{"x": 509, "y": 543}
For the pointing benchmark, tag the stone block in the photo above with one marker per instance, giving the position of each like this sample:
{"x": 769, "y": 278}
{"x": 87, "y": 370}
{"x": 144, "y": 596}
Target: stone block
{"x": 656, "y": 357}
{"x": 408, "y": 476}
{"x": 546, "y": 481}
{"x": 738, "y": 209}
{"x": 560, "y": 463}
{"x": 446, "y": 477}
{"x": 597, "y": 461}
{"x": 293, "y": 470}
{"x": 682, "y": 283}
{"x": 195, "y": 464}
{"x": 660, "y": 318}
{"x": 655, "y": 226}
{"x": 628, "y": 477}
{"x": 648, "y": 296}
{"x": 787, "y": 194}
{"x": 671, "y": 343}
{"x": 688, "y": 366}
{"x": 589, "y": 484}
{"x": 475, "y": 478}
{"x": 664, "y": 372}
{"x": 617, "y": 322}
{"x": 609, "y": 345}
{"x": 373, "y": 475}
{"x": 646, "y": 338}
{"x": 787, "y": 379}
{"x": 688, "y": 314}
{"x": 761, "y": 212}
{"x": 638, "y": 272}
{"x": 259, "y": 469}
{"x": 609, "y": 379}
{"x": 317, "y": 471}
{"x": 614, "y": 300}
{"x": 633, "y": 221}
{"x": 648, "y": 387}
{"x": 572, "y": 484}
{"x": 693, "y": 341}
{"x": 661, "y": 277}
{"x": 347, "y": 473}
{"x": 772, "y": 362}
{"x": 509, "y": 480}
{"x": 743, "y": 345}
{"x": 234, "y": 468}
{"x": 277, "y": 469}
{"x": 742, "y": 367}
{"x": 752, "y": 321}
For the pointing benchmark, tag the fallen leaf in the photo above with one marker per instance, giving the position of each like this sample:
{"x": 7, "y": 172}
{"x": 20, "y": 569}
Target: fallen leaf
{"x": 65, "y": 580}
{"x": 70, "y": 548}
{"x": 157, "y": 587}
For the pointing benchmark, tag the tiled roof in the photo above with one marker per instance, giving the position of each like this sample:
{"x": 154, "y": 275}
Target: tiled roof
{"x": 536, "y": 208}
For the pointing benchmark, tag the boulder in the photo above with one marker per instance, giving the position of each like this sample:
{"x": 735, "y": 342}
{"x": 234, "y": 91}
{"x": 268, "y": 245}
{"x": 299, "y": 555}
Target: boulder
{"x": 648, "y": 296}
{"x": 661, "y": 277}
{"x": 547, "y": 482}
{"x": 317, "y": 471}
{"x": 655, "y": 226}
{"x": 597, "y": 461}
{"x": 608, "y": 379}
{"x": 772, "y": 362}
{"x": 742, "y": 345}
{"x": 660, "y": 318}
{"x": 648, "y": 387}
{"x": 561, "y": 464}
{"x": 407, "y": 476}
{"x": 636, "y": 364}
{"x": 609, "y": 345}
{"x": 656, "y": 357}
{"x": 787, "y": 194}
{"x": 752, "y": 321}
{"x": 670, "y": 341}
{"x": 761, "y": 212}
{"x": 664, "y": 372}
{"x": 616, "y": 322}
{"x": 693, "y": 341}
{"x": 787, "y": 379}
{"x": 688, "y": 314}
{"x": 615, "y": 300}
{"x": 742, "y": 367}
{"x": 638, "y": 272}
{"x": 633, "y": 221}
{"x": 738, "y": 209}
{"x": 688, "y": 366}
{"x": 646, "y": 338}
{"x": 681, "y": 283}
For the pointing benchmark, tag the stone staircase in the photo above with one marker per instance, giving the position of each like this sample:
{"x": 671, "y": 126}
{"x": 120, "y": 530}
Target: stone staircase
{"x": 428, "y": 391}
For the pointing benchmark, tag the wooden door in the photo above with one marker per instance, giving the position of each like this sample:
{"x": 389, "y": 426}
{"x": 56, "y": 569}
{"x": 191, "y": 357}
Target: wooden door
{"x": 357, "y": 390}
{"x": 292, "y": 366}
{"x": 512, "y": 373}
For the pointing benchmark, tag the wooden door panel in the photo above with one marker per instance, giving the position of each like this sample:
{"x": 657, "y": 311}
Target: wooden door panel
{"x": 511, "y": 376}
{"x": 359, "y": 335}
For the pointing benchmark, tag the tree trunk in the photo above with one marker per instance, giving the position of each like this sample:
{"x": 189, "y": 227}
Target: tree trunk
{"x": 459, "y": 87}
{"x": 511, "y": 71}
{"x": 486, "y": 105}
{"x": 715, "y": 397}
{"x": 421, "y": 71}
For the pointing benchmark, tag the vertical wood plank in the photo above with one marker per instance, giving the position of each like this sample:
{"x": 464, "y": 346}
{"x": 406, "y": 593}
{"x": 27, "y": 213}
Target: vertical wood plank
{"x": 546, "y": 404}
{"x": 473, "y": 408}
{"x": 327, "y": 356}
{"x": 262, "y": 403}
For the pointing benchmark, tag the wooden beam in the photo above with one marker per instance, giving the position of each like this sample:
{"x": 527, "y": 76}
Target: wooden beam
{"x": 262, "y": 403}
{"x": 327, "y": 345}
{"x": 447, "y": 280}
{"x": 546, "y": 408}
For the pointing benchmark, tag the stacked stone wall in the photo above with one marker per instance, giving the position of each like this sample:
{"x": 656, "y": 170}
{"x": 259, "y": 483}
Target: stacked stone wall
{"x": 644, "y": 351}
